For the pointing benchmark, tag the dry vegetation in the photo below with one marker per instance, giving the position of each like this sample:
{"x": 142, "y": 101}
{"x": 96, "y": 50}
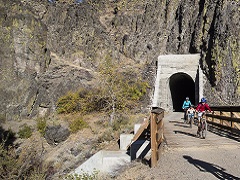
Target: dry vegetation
{"x": 86, "y": 121}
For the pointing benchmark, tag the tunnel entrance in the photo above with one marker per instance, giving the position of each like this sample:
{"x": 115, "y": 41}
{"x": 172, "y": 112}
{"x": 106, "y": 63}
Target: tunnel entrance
{"x": 181, "y": 86}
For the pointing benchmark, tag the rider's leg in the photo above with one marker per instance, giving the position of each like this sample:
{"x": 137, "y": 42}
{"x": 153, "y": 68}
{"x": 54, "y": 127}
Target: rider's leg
{"x": 199, "y": 123}
{"x": 185, "y": 114}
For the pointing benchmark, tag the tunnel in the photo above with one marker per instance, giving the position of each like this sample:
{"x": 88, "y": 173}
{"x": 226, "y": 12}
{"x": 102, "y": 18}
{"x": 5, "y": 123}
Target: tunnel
{"x": 181, "y": 86}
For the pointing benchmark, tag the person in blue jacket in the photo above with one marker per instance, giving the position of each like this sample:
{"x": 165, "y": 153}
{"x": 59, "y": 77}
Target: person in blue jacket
{"x": 186, "y": 104}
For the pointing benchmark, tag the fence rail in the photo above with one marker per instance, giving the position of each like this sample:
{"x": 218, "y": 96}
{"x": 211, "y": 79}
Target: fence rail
{"x": 225, "y": 117}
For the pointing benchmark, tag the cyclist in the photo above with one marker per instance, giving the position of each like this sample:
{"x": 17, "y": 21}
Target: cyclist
{"x": 186, "y": 104}
{"x": 190, "y": 113}
{"x": 201, "y": 108}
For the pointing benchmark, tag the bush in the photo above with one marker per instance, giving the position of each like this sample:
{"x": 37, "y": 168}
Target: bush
{"x": 77, "y": 124}
{"x": 25, "y": 132}
{"x": 68, "y": 103}
{"x": 41, "y": 125}
{"x": 116, "y": 91}
{"x": 20, "y": 166}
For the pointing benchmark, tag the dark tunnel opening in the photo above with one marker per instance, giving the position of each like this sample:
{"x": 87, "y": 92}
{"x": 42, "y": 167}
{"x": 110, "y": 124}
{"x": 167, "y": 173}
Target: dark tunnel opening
{"x": 181, "y": 86}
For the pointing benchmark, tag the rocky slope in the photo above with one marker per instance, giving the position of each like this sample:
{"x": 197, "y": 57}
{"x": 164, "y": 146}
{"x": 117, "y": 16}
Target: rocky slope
{"x": 48, "y": 49}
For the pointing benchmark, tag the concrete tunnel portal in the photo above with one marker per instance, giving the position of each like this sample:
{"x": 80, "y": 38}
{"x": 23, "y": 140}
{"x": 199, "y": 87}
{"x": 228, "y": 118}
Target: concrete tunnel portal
{"x": 178, "y": 76}
{"x": 181, "y": 86}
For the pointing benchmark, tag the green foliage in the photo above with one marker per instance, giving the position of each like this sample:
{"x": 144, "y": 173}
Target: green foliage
{"x": 91, "y": 100}
{"x": 41, "y": 125}
{"x": 68, "y": 103}
{"x": 124, "y": 88}
{"x": 25, "y": 132}
{"x": 77, "y": 124}
{"x": 118, "y": 90}
{"x": 84, "y": 176}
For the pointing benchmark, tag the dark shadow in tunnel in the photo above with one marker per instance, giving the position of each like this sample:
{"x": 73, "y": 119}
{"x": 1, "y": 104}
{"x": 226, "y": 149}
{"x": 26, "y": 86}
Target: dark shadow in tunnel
{"x": 181, "y": 86}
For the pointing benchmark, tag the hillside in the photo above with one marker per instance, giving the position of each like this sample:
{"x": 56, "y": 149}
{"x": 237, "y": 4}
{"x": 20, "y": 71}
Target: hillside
{"x": 50, "y": 49}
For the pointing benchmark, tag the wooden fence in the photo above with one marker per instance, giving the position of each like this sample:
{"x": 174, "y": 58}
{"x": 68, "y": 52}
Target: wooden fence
{"x": 225, "y": 117}
{"x": 154, "y": 124}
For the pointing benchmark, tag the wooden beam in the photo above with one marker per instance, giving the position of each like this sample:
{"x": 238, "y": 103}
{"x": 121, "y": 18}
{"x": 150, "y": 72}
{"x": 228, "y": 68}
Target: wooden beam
{"x": 153, "y": 130}
{"x": 143, "y": 126}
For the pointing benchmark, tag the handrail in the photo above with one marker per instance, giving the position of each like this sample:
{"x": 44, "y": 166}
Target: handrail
{"x": 226, "y": 108}
{"x": 227, "y": 117}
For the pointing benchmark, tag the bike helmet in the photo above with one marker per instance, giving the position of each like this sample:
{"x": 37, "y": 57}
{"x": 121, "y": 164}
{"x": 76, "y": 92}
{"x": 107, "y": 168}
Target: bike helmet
{"x": 203, "y": 100}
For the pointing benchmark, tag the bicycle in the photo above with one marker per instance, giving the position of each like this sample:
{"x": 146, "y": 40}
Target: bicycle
{"x": 190, "y": 119}
{"x": 185, "y": 115}
{"x": 202, "y": 126}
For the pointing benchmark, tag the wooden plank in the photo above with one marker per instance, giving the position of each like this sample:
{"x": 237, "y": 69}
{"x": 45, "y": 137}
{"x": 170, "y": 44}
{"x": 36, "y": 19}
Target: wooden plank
{"x": 236, "y": 115}
{"x": 224, "y": 118}
{"x": 143, "y": 126}
{"x": 226, "y": 108}
{"x": 237, "y": 126}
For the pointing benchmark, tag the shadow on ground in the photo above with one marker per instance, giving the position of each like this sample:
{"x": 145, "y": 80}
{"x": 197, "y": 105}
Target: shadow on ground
{"x": 233, "y": 134}
{"x": 185, "y": 133}
{"x": 215, "y": 170}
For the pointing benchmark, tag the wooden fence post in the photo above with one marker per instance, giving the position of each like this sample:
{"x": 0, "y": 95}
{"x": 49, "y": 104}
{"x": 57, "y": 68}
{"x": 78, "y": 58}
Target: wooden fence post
{"x": 156, "y": 129}
{"x": 153, "y": 140}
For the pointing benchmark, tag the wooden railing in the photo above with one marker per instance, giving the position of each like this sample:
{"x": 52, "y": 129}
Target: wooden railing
{"x": 154, "y": 124}
{"x": 157, "y": 137}
{"x": 225, "y": 117}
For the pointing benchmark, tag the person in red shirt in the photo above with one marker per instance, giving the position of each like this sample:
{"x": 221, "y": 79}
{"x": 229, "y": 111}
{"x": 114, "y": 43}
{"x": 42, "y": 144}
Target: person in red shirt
{"x": 201, "y": 108}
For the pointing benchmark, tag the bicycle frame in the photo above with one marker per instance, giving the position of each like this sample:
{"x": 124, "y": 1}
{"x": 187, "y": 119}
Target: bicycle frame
{"x": 202, "y": 125}
{"x": 190, "y": 118}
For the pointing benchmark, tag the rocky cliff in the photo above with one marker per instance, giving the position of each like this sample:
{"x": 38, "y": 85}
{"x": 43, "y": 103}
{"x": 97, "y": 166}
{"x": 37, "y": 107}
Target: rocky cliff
{"x": 48, "y": 49}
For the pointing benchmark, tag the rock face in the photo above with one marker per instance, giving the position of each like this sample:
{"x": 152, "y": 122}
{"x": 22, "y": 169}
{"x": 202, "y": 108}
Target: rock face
{"x": 48, "y": 49}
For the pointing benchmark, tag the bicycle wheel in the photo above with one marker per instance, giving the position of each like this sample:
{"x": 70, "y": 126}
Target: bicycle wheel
{"x": 191, "y": 122}
{"x": 204, "y": 130}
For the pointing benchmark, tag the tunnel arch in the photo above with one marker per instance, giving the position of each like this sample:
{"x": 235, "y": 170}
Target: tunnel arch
{"x": 181, "y": 85}
{"x": 173, "y": 73}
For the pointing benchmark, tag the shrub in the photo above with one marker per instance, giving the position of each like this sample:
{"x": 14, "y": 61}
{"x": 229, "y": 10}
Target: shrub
{"x": 68, "y": 103}
{"x": 20, "y": 166}
{"x": 117, "y": 90}
{"x": 25, "y": 132}
{"x": 77, "y": 124}
{"x": 41, "y": 125}
{"x": 9, "y": 165}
